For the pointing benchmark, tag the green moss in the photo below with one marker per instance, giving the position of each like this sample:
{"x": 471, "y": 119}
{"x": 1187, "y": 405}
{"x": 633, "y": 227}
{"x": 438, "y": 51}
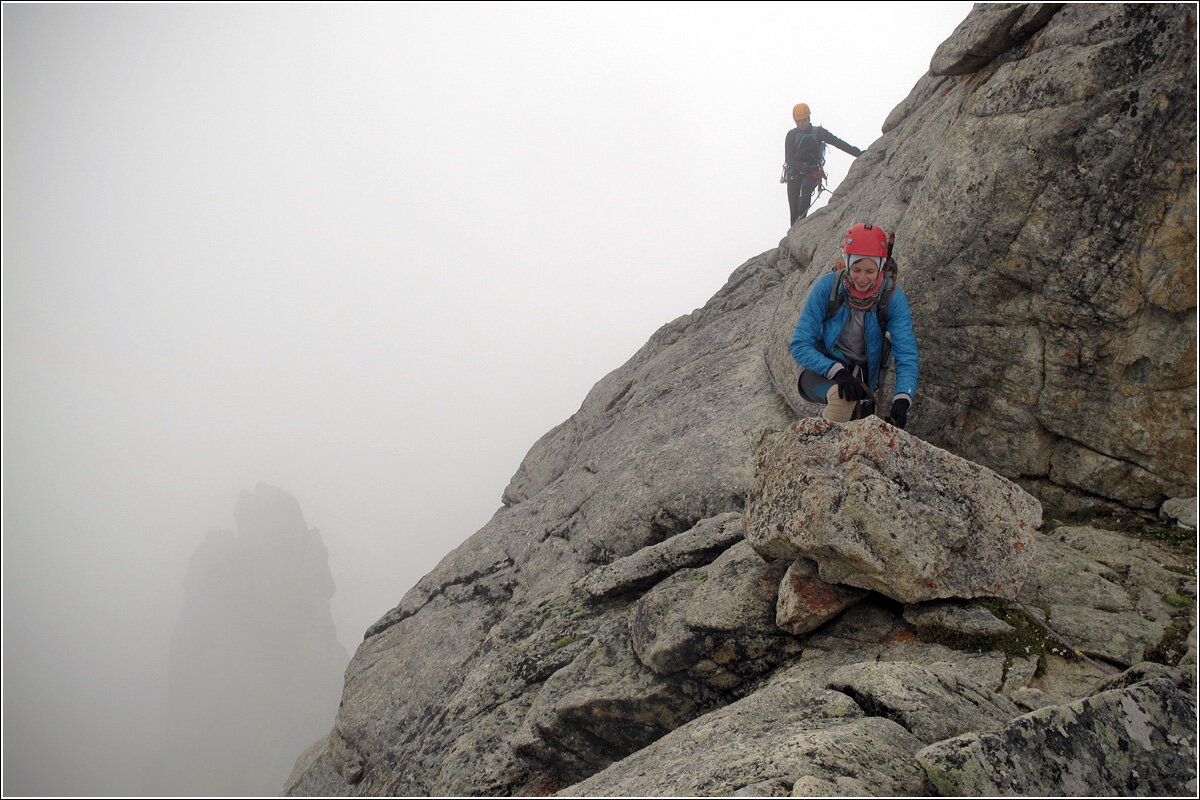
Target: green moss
{"x": 1188, "y": 571}
{"x": 1171, "y": 534}
{"x": 1140, "y": 525}
{"x": 1177, "y": 601}
{"x": 563, "y": 642}
{"x": 1027, "y": 639}
{"x": 1173, "y": 645}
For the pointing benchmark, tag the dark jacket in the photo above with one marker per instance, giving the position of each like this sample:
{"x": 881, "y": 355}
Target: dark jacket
{"x": 804, "y": 151}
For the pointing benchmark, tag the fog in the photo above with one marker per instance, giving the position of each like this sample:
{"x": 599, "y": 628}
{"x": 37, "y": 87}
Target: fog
{"x": 366, "y": 253}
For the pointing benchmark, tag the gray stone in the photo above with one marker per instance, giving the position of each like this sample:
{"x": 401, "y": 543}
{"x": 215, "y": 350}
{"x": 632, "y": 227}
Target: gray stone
{"x": 932, "y": 702}
{"x": 956, "y": 618}
{"x": 1182, "y": 510}
{"x": 1135, "y": 741}
{"x": 874, "y": 632}
{"x": 603, "y": 706}
{"x": 717, "y": 623}
{"x": 776, "y": 787}
{"x": 699, "y": 545}
{"x": 1031, "y": 699}
{"x": 1019, "y": 674}
{"x": 879, "y": 509}
{"x": 1066, "y": 679}
{"x": 780, "y": 735}
{"x": 1088, "y": 605}
{"x": 314, "y": 770}
{"x": 989, "y": 31}
{"x": 1184, "y": 679}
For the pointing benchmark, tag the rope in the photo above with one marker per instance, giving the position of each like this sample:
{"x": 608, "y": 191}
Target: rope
{"x": 875, "y": 400}
{"x": 1079, "y": 653}
{"x": 767, "y": 350}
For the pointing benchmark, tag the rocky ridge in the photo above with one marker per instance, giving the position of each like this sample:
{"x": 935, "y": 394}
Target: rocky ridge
{"x": 613, "y": 625}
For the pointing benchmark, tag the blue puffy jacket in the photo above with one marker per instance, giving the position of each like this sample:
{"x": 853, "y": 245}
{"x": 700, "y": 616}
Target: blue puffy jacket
{"x": 815, "y": 341}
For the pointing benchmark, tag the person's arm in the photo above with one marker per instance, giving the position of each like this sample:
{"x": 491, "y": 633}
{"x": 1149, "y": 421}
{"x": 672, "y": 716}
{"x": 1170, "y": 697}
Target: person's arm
{"x": 807, "y": 335}
{"x": 829, "y": 138}
{"x": 904, "y": 345}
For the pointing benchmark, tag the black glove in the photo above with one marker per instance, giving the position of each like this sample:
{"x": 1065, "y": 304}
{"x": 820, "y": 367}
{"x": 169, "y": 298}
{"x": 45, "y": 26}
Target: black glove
{"x": 900, "y": 411}
{"x": 849, "y": 387}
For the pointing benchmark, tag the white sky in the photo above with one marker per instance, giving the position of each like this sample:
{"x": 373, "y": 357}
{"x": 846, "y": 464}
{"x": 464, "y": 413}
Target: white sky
{"x": 367, "y": 253}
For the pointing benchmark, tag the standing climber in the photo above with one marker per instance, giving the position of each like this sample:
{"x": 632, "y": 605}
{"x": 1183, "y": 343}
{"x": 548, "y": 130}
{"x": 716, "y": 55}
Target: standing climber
{"x": 804, "y": 159}
{"x": 841, "y": 338}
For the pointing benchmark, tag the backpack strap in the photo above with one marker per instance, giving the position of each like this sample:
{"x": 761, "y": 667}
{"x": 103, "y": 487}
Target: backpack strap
{"x": 885, "y": 298}
{"x": 835, "y": 299}
{"x": 890, "y": 271}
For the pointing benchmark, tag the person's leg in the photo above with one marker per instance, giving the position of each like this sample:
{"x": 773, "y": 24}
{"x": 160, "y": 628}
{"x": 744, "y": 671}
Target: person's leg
{"x": 793, "y": 193}
{"x": 807, "y": 186}
{"x": 837, "y": 409}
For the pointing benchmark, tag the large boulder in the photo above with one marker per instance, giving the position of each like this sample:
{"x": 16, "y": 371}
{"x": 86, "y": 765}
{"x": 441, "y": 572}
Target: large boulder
{"x": 879, "y": 509}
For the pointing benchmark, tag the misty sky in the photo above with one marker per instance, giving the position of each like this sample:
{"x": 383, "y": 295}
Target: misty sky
{"x": 367, "y": 253}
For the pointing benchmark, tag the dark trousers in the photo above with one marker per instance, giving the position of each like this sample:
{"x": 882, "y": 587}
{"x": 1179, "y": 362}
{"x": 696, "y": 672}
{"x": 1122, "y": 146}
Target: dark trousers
{"x": 814, "y": 388}
{"x": 799, "y": 192}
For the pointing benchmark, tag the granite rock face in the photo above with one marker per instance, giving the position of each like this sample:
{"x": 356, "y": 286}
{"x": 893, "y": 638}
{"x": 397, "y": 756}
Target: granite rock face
{"x": 879, "y": 509}
{"x": 609, "y": 628}
{"x": 1044, "y": 204}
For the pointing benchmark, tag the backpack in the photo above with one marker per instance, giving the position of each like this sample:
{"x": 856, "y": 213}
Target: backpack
{"x": 814, "y": 133}
{"x": 792, "y": 171}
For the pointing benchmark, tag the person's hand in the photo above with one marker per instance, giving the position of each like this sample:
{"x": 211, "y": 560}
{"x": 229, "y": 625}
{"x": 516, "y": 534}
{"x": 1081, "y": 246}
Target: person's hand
{"x": 899, "y": 412}
{"x": 849, "y": 387}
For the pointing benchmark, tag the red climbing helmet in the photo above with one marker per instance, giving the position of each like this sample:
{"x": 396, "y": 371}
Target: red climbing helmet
{"x": 864, "y": 239}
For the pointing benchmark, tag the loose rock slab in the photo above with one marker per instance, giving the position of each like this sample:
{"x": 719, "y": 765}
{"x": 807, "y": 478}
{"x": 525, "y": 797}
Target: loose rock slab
{"x": 806, "y": 602}
{"x": 932, "y": 702}
{"x": 880, "y": 509}
{"x": 788, "y": 734}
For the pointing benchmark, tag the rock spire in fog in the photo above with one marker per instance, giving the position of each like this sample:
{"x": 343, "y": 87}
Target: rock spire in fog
{"x": 255, "y": 667}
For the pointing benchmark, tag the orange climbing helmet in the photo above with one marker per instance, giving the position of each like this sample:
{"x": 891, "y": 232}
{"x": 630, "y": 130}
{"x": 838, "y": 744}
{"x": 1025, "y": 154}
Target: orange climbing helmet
{"x": 800, "y": 111}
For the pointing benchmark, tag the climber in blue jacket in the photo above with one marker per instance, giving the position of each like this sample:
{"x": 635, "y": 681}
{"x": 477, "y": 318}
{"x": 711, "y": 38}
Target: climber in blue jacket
{"x": 840, "y": 342}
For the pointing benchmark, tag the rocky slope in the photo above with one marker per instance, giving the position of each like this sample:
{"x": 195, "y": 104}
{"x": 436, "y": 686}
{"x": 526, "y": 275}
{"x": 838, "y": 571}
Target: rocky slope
{"x": 255, "y": 665}
{"x": 613, "y": 623}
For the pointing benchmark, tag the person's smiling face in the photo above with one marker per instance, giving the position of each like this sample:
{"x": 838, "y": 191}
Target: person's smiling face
{"x": 863, "y": 273}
